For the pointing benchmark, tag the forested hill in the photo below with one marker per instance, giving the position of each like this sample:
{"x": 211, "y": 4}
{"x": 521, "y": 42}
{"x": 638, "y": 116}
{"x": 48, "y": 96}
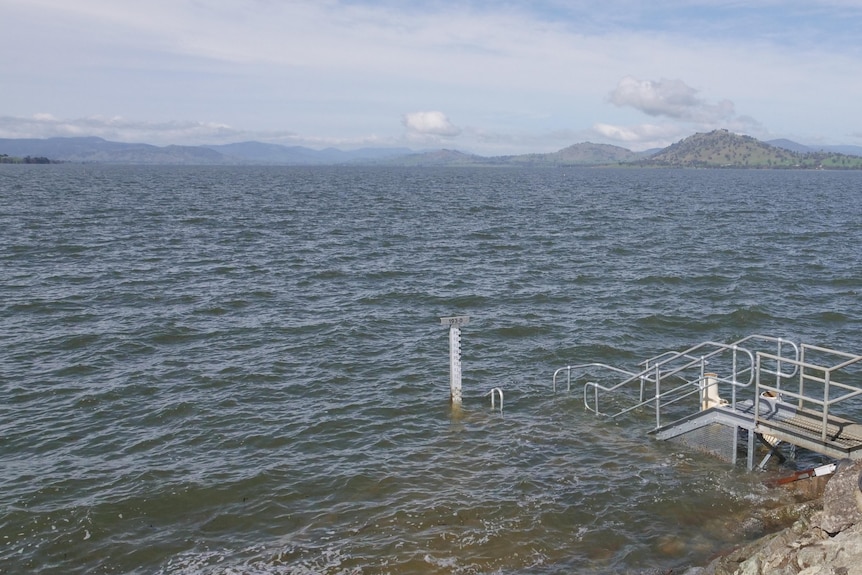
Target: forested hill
{"x": 723, "y": 149}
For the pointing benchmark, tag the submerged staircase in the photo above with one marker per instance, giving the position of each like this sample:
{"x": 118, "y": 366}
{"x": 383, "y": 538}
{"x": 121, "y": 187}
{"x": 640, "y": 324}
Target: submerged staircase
{"x": 719, "y": 398}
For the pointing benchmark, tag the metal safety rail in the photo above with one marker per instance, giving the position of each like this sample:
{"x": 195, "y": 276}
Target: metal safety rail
{"x": 804, "y": 413}
{"x": 666, "y": 379}
{"x": 788, "y": 393}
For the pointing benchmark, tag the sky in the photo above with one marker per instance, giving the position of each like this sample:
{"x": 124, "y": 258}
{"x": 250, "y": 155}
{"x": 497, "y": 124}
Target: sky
{"x": 490, "y": 77}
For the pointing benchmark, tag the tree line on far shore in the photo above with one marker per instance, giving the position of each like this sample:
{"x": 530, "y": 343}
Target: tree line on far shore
{"x": 7, "y": 159}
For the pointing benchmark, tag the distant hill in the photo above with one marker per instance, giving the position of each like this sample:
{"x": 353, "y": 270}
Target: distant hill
{"x": 584, "y": 154}
{"x": 848, "y": 150}
{"x": 723, "y": 149}
{"x": 98, "y": 150}
{"x": 802, "y": 148}
{"x": 595, "y": 154}
{"x": 260, "y": 153}
{"x": 789, "y": 145}
{"x": 716, "y": 149}
{"x": 444, "y": 157}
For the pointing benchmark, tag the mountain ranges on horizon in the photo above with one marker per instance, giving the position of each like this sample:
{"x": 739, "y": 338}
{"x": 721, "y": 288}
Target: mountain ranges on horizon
{"x": 91, "y": 149}
{"x": 719, "y": 148}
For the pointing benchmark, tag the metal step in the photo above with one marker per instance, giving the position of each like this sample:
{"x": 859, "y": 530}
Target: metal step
{"x": 721, "y": 415}
{"x": 714, "y": 431}
{"x": 780, "y": 420}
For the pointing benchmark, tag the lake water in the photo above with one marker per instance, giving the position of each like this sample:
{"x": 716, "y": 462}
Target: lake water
{"x": 242, "y": 370}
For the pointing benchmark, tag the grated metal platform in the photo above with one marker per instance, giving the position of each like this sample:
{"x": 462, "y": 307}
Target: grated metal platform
{"x": 716, "y": 430}
{"x": 839, "y": 438}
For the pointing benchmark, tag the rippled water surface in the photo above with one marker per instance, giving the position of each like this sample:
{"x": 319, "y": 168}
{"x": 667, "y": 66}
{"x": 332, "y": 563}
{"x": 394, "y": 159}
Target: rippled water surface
{"x": 242, "y": 370}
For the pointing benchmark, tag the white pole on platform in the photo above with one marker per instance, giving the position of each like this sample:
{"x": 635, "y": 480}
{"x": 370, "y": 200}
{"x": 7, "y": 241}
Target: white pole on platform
{"x": 455, "y": 324}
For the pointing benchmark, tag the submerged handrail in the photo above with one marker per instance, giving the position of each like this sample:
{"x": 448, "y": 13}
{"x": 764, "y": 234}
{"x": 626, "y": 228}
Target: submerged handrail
{"x": 644, "y": 402}
{"x": 658, "y": 370}
{"x": 753, "y": 337}
{"x": 568, "y": 369}
{"x": 493, "y": 393}
{"x": 779, "y": 358}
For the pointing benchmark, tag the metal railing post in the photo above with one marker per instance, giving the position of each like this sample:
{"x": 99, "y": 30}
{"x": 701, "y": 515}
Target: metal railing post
{"x": 757, "y": 360}
{"x": 801, "y": 402}
{"x": 733, "y": 385}
{"x": 643, "y": 381}
{"x": 778, "y": 368}
{"x": 596, "y": 398}
{"x": 826, "y": 374}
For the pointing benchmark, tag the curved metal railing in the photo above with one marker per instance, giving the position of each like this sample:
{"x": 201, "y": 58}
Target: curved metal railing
{"x": 675, "y": 375}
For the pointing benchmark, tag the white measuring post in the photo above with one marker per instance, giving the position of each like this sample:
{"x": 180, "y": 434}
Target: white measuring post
{"x": 455, "y": 323}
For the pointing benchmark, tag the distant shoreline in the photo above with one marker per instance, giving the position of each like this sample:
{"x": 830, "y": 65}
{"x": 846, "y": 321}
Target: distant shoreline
{"x": 719, "y": 149}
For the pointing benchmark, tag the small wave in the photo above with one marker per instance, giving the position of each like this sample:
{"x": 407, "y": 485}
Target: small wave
{"x": 827, "y": 317}
{"x": 521, "y": 331}
{"x": 77, "y": 341}
{"x": 749, "y": 317}
{"x": 747, "y": 320}
{"x": 661, "y": 280}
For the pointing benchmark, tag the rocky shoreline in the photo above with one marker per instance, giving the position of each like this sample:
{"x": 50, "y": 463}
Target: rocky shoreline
{"x": 824, "y": 536}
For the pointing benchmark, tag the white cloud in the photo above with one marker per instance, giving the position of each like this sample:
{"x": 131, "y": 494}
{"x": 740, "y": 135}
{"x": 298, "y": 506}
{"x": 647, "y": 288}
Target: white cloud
{"x": 516, "y": 75}
{"x": 682, "y": 106}
{"x": 45, "y": 125}
{"x": 118, "y": 129}
{"x": 431, "y": 123}
{"x": 642, "y": 136}
{"x": 670, "y": 98}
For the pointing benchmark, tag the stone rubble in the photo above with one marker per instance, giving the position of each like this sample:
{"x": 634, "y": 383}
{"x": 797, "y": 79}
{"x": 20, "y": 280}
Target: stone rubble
{"x": 825, "y": 538}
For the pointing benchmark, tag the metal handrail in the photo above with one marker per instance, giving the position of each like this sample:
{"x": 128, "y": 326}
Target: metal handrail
{"x": 658, "y": 370}
{"x": 493, "y": 393}
{"x": 644, "y": 402}
{"x": 568, "y": 369}
{"x": 827, "y": 380}
{"x": 754, "y": 337}
{"x": 779, "y": 358}
{"x": 655, "y": 374}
